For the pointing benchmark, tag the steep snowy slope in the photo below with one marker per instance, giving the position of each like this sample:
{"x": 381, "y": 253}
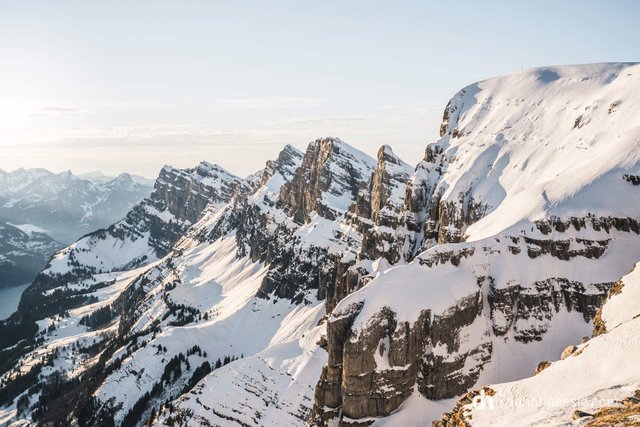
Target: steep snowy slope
{"x": 256, "y": 315}
{"x": 560, "y": 141}
{"x": 65, "y": 205}
{"x": 151, "y": 227}
{"x": 537, "y": 173}
{"x": 596, "y": 383}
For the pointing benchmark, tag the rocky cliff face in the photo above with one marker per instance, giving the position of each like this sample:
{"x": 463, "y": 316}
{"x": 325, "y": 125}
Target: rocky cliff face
{"x": 296, "y": 223}
{"x": 381, "y": 204}
{"x": 375, "y": 214}
{"x": 327, "y": 182}
{"x": 596, "y": 378}
{"x": 185, "y": 193}
{"x": 257, "y": 227}
{"x": 380, "y": 356}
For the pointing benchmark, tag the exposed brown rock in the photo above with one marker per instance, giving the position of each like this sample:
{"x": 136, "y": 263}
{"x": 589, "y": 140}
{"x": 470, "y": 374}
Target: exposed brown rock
{"x": 380, "y": 203}
{"x": 627, "y": 414}
{"x": 599, "y": 326}
{"x": 186, "y": 192}
{"x": 568, "y": 351}
{"x": 580, "y": 414}
{"x": 458, "y": 416}
{"x": 303, "y": 194}
{"x": 357, "y": 387}
{"x": 541, "y": 367}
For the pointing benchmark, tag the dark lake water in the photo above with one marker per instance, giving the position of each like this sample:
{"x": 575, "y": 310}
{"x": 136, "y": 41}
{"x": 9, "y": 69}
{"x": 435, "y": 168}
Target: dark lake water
{"x": 9, "y": 299}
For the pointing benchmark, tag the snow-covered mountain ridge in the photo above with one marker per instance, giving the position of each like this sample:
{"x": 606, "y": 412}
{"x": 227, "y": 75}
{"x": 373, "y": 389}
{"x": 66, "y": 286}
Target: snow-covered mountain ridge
{"x": 145, "y": 235}
{"x": 333, "y": 288}
{"x": 59, "y": 207}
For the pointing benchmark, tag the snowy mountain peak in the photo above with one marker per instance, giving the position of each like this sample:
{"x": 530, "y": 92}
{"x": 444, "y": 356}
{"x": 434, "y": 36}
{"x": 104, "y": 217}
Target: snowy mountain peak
{"x": 184, "y": 193}
{"x": 124, "y": 178}
{"x": 288, "y": 161}
{"x": 551, "y": 139}
{"x": 386, "y": 154}
{"x": 328, "y": 180}
{"x": 536, "y": 143}
{"x": 388, "y": 187}
{"x": 210, "y": 169}
{"x": 150, "y": 228}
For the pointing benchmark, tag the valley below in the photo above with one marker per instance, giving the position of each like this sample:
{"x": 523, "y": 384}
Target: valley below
{"x": 9, "y": 299}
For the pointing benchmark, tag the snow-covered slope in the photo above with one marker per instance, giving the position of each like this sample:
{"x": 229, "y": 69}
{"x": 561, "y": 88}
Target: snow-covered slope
{"x": 247, "y": 281}
{"x": 146, "y": 234}
{"x": 597, "y": 381}
{"x": 65, "y": 205}
{"x": 561, "y": 141}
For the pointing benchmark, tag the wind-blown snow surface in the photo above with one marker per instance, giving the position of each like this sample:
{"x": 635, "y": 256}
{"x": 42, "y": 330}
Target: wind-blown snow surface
{"x": 602, "y": 372}
{"x": 547, "y": 141}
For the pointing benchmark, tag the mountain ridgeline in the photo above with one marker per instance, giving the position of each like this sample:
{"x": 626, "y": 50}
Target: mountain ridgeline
{"x": 333, "y": 288}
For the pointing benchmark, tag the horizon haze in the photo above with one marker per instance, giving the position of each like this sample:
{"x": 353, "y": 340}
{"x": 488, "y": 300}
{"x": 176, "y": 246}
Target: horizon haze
{"x": 89, "y": 86}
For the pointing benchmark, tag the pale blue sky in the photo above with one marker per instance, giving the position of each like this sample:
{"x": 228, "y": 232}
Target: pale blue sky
{"x": 132, "y": 85}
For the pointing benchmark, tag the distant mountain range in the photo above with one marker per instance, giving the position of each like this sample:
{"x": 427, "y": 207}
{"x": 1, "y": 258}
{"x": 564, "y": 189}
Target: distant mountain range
{"x": 65, "y": 205}
{"x": 98, "y": 176}
{"x": 41, "y": 211}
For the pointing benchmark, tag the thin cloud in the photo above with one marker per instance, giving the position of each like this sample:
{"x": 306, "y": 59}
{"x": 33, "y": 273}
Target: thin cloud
{"x": 51, "y": 111}
{"x": 270, "y": 103}
{"x": 325, "y": 120}
{"x": 59, "y": 110}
